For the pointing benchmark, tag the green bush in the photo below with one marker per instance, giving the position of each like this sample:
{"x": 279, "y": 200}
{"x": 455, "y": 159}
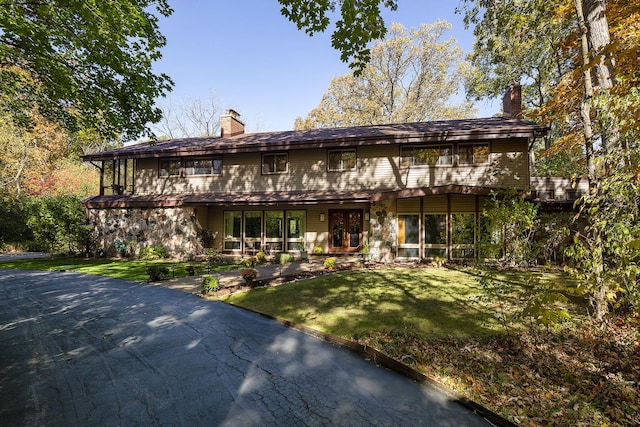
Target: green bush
{"x": 157, "y": 272}
{"x": 283, "y": 258}
{"x": 329, "y": 263}
{"x": 153, "y": 252}
{"x": 210, "y": 284}
{"x": 317, "y": 250}
{"x": 261, "y": 257}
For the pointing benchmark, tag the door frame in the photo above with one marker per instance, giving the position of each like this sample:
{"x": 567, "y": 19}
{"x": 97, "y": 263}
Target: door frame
{"x": 346, "y": 237}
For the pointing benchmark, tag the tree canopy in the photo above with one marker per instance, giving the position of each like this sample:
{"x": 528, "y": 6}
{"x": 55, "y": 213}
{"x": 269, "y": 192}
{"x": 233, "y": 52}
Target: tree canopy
{"x": 83, "y": 63}
{"x": 360, "y": 22}
{"x": 413, "y": 75}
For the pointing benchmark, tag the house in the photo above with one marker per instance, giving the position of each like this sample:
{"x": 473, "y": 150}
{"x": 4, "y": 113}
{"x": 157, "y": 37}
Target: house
{"x": 408, "y": 190}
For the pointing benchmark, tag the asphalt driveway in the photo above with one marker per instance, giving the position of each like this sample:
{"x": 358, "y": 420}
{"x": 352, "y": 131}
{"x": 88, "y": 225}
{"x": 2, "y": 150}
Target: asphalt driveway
{"x": 78, "y": 350}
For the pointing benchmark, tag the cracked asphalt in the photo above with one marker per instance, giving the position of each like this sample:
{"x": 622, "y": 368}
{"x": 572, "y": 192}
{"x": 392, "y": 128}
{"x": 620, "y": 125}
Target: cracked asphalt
{"x": 79, "y": 350}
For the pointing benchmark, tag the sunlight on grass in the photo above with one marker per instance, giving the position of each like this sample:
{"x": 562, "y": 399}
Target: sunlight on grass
{"x": 436, "y": 302}
{"x": 134, "y": 270}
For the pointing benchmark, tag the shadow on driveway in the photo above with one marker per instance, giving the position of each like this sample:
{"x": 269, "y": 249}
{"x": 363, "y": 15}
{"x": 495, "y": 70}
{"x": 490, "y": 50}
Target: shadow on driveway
{"x": 84, "y": 350}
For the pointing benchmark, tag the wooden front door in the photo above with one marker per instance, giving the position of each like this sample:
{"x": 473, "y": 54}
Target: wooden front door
{"x": 345, "y": 230}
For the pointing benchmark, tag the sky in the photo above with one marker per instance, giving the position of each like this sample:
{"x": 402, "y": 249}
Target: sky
{"x": 253, "y": 60}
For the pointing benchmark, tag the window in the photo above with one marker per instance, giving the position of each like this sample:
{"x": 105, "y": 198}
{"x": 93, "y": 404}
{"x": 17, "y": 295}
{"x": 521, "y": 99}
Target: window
{"x": 463, "y": 229}
{"x": 435, "y": 235}
{"x": 409, "y": 236}
{"x": 170, "y": 167}
{"x": 274, "y": 231}
{"x": 473, "y": 154}
{"x": 205, "y": 166}
{"x": 432, "y": 155}
{"x": 252, "y": 230}
{"x": 296, "y": 230}
{"x": 275, "y": 163}
{"x": 342, "y": 160}
{"x": 232, "y": 230}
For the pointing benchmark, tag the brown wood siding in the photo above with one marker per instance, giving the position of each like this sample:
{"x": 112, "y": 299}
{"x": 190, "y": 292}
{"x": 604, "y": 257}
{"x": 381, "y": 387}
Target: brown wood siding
{"x": 463, "y": 203}
{"x": 435, "y": 204}
{"x": 408, "y": 205}
{"x": 377, "y": 168}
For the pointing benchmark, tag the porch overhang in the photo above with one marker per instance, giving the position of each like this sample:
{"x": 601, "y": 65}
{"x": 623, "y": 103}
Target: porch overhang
{"x": 273, "y": 198}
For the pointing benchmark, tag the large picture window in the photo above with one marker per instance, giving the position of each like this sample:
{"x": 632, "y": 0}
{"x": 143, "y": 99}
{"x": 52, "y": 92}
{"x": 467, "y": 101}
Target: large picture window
{"x": 342, "y": 160}
{"x": 473, "y": 154}
{"x": 409, "y": 236}
{"x": 274, "y": 231}
{"x": 463, "y": 231}
{"x": 435, "y": 235}
{"x": 296, "y": 230}
{"x": 232, "y": 231}
{"x": 253, "y": 230}
{"x": 430, "y": 155}
{"x": 275, "y": 163}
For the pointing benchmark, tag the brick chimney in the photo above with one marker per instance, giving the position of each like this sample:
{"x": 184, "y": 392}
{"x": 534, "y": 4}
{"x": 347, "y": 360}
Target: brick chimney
{"x": 230, "y": 124}
{"x": 512, "y": 102}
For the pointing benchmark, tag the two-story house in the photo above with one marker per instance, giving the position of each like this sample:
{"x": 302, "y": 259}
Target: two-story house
{"x": 409, "y": 190}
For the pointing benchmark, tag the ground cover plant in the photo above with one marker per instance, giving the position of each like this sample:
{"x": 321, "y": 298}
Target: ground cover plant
{"x": 436, "y": 321}
{"x": 134, "y": 270}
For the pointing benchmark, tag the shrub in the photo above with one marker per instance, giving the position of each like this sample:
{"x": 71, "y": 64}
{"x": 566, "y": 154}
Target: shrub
{"x": 251, "y": 261}
{"x": 317, "y": 250}
{"x": 210, "y": 284}
{"x": 329, "y": 263}
{"x": 249, "y": 274}
{"x": 283, "y": 258}
{"x": 152, "y": 252}
{"x": 157, "y": 272}
{"x": 261, "y": 257}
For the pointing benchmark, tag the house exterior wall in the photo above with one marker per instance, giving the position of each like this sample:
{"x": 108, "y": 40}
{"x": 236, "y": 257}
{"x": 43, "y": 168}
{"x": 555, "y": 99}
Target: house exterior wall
{"x": 378, "y": 167}
{"x": 176, "y": 229}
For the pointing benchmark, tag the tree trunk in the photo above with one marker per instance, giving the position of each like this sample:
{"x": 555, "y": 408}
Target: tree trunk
{"x": 599, "y": 291}
{"x": 595, "y": 17}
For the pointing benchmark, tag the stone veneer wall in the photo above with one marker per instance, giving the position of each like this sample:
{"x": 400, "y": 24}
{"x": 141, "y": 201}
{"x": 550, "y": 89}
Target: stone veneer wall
{"x": 176, "y": 229}
{"x": 383, "y": 231}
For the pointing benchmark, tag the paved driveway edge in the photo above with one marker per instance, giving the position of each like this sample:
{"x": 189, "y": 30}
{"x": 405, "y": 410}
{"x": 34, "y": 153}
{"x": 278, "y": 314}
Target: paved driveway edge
{"x": 387, "y": 362}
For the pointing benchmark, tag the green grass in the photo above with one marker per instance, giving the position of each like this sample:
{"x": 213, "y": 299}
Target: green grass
{"x": 134, "y": 270}
{"x": 435, "y": 302}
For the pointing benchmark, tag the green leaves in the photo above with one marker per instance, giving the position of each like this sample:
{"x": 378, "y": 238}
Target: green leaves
{"x": 360, "y": 23}
{"x": 84, "y": 63}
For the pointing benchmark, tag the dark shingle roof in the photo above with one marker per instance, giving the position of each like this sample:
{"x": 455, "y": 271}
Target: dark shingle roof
{"x": 438, "y": 131}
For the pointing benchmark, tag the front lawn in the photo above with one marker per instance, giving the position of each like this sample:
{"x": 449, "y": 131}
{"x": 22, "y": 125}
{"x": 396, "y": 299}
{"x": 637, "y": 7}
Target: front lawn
{"x": 437, "y": 302}
{"x": 134, "y": 270}
{"x": 431, "y": 320}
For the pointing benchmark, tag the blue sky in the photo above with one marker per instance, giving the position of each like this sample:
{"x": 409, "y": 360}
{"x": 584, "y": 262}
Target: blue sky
{"x": 257, "y": 62}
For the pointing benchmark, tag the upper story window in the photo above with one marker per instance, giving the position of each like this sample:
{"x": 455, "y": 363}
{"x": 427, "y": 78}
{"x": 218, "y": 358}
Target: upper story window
{"x": 275, "y": 163}
{"x": 203, "y": 166}
{"x": 429, "y": 155}
{"x": 190, "y": 166}
{"x": 341, "y": 160}
{"x": 170, "y": 167}
{"x": 473, "y": 154}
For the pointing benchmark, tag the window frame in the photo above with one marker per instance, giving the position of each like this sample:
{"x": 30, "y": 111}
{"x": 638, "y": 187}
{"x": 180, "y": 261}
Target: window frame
{"x": 213, "y": 170}
{"x": 171, "y": 160}
{"x": 341, "y": 167}
{"x": 473, "y": 161}
{"x": 274, "y": 164}
{"x": 441, "y": 247}
{"x": 404, "y": 246}
{"x": 413, "y": 159}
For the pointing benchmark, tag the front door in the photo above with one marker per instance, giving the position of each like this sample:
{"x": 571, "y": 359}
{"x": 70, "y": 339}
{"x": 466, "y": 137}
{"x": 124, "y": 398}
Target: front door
{"x": 345, "y": 230}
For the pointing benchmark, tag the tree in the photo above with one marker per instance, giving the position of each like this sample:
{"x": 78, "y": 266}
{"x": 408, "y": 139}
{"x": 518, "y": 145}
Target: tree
{"x": 413, "y": 75}
{"x": 593, "y": 100}
{"x": 83, "y": 63}
{"x": 360, "y": 23}
{"x": 193, "y": 118}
